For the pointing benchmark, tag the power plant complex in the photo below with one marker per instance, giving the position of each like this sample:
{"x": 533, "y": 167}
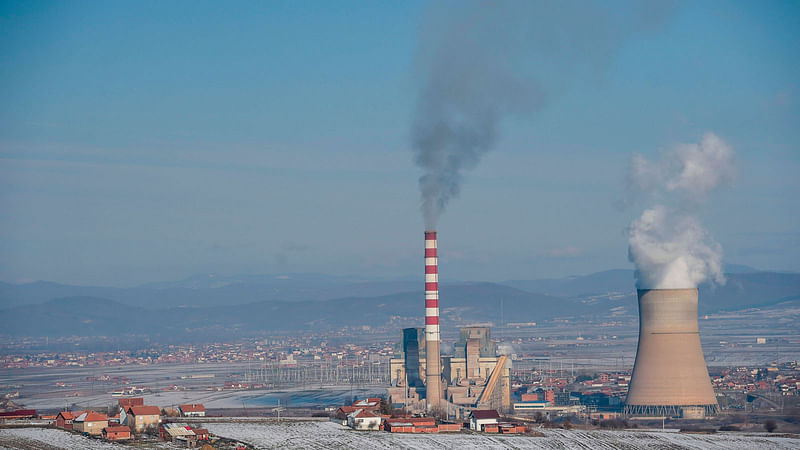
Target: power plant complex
{"x": 669, "y": 376}
{"x": 473, "y": 377}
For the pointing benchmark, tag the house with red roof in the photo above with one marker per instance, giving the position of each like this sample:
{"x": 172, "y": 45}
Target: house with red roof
{"x": 64, "y": 419}
{"x": 364, "y": 419}
{"x": 478, "y": 418}
{"x": 193, "y": 410}
{"x": 90, "y": 422}
{"x": 116, "y": 433}
{"x": 141, "y": 418}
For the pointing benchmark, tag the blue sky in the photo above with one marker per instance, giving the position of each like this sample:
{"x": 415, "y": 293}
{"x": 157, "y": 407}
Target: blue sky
{"x": 151, "y": 141}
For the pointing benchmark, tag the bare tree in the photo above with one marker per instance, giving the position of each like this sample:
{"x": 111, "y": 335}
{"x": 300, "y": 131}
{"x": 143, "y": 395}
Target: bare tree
{"x": 770, "y": 426}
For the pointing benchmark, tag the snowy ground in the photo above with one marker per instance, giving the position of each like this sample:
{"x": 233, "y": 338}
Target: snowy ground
{"x": 48, "y": 438}
{"x": 322, "y": 435}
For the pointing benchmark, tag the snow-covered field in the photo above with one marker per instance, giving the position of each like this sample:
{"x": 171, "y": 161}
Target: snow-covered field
{"x": 48, "y": 438}
{"x": 322, "y": 435}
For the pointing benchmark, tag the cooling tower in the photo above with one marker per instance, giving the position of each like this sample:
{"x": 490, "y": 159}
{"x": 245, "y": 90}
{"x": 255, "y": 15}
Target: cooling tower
{"x": 433, "y": 366}
{"x": 670, "y": 372}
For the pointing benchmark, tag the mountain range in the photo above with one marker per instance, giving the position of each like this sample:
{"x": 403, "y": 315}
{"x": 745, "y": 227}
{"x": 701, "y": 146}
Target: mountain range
{"x": 212, "y": 306}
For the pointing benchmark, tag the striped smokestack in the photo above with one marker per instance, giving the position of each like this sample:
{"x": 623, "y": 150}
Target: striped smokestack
{"x": 433, "y": 368}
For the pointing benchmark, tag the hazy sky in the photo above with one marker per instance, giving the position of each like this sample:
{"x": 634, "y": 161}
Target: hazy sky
{"x": 146, "y": 141}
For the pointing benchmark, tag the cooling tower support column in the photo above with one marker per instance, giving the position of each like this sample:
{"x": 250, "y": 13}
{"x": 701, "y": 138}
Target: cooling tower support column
{"x": 433, "y": 364}
{"x": 670, "y": 372}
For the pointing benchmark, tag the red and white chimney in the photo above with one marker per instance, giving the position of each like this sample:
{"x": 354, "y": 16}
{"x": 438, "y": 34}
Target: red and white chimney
{"x": 433, "y": 369}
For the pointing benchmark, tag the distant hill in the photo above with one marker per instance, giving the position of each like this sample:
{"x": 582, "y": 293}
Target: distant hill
{"x": 747, "y": 290}
{"x": 92, "y": 316}
{"x": 208, "y": 291}
{"x": 616, "y": 280}
{"x": 245, "y": 307}
{"x": 79, "y": 316}
{"x": 743, "y": 289}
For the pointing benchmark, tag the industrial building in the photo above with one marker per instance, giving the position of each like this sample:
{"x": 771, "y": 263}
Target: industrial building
{"x": 670, "y": 377}
{"x": 471, "y": 374}
{"x": 474, "y": 376}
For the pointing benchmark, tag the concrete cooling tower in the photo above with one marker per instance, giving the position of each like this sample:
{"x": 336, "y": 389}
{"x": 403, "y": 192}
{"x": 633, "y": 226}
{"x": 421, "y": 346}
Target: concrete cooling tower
{"x": 670, "y": 375}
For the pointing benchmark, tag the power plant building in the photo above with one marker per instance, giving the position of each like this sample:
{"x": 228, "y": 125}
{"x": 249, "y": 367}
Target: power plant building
{"x": 670, "y": 376}
{"x": 474, "y": 376}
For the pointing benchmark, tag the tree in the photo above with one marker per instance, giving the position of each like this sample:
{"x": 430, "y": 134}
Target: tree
{"x": 386, "y": 407}
{"x": 770, "y": 426}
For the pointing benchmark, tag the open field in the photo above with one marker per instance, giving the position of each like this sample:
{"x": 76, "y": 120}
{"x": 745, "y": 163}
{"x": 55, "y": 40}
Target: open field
{"x": 322, "y": 435}
{"x": 38, "y": 390}
{"x": 48, "y": 438}
{"x": 302, "y": 434}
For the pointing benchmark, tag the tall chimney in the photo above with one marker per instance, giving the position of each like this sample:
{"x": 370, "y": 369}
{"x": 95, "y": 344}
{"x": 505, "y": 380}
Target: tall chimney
{"x": 433, "y": 365}
{"x": 670, "y": 372}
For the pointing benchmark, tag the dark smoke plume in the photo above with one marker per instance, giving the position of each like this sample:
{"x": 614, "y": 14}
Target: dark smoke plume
{"x": 480, "y": 63}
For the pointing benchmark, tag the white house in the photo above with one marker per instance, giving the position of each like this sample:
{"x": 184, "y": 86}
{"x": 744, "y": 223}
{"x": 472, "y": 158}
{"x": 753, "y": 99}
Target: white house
{"x": 193, "y": 410}
{"x": 364, "y": 419}
{"x": 480, "y": 417}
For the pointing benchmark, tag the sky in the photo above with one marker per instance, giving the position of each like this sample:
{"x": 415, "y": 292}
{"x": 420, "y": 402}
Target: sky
{"x": 152, "y": 141}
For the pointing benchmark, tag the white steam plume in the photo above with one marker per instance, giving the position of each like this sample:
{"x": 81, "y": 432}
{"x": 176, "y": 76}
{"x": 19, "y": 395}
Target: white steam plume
{"x": 668, "y": 245}
{"x": 505, "y": 348}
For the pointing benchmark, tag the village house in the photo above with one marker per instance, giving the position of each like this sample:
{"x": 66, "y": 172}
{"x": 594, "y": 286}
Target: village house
{"x": 90, "y": 422}
{"x": 480, "y": 417}
{"x": 193, "y": 410}
{"x": 201, "y": 433}
{"x": 364, "y": 419}
{"x": 64, "y": 419}
{"x": 172, "y": 431}
{"x": 342, "y": 413}
{"x": 141, "y": 418}
{"x": 124, "y": 404}
{"x": 116, "y": 433}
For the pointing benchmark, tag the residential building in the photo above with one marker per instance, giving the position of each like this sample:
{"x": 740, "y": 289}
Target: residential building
{"x": 193, "y": 410}
{"x": 480, "y": 417}
{"x": 364, "y": 419}
{"x": 64, "y": 419}
{"x": 141, "y": 418}
{"x": 172, "y": 431}
{"x": 116, "y": 433}
{"x": 90, "y": 422}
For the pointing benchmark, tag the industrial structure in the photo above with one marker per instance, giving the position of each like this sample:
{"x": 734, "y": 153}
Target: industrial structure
{"x": 670, "y": 376}
{"x": 433, "y": 369}
{"x": 474, "y": 376}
